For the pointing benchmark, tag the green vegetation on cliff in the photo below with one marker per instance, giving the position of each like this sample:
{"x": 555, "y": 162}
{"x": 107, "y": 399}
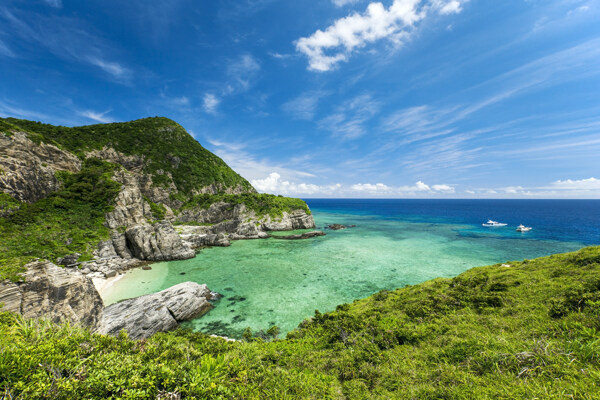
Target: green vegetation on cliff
{"x": 68, "y": 221}
{"x": 166, "y": 148}
{"x": 530, "y": 331}
{"x": 261, "y": 204}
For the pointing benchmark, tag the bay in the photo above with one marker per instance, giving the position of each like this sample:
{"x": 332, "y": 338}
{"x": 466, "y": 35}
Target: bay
{"x": 395, "y": 243}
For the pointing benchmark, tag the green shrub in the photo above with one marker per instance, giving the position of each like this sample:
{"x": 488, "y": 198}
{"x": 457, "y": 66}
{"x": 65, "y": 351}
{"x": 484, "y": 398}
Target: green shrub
{"x": 68, "y": 221}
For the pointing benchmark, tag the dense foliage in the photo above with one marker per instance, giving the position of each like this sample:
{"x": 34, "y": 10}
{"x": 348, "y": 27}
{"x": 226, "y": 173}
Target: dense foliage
{"x": 166, "y": 148}
{"x": 530, "y": 331}
{"x": 68, "y": 221}
{"x": 261, "y": 204}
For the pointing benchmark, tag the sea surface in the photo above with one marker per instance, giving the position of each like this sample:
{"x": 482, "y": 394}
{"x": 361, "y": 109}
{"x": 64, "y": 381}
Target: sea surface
{"x": 395, "y": 243}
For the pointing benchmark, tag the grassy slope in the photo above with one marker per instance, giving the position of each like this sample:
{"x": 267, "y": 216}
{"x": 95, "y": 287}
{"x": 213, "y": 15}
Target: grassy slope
{"x": 528, "y": 331}
{"x": 68, "y": 221}
{"x": 159, "y": 140}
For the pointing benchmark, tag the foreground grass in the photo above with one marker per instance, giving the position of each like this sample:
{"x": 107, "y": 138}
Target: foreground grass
{"x": 527, "y": 331}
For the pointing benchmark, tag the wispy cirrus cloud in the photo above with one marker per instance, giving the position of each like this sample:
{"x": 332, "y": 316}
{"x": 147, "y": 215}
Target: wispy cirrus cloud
{"x": 304, "y": 106}
{"x": 349, "y": 120}
{"x": 66, "y": 38}
{"x": 326, "y": 48}
{"x": 54, "y": 3}
{"x": 242, "y": 71}
{"x": 100, "y": 117}
{"x": 246, "y": 163}
{"x": 5, "y": 50}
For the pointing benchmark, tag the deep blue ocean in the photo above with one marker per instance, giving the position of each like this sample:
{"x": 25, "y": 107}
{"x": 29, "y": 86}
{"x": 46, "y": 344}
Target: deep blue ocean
{"x": 561, "y": 220}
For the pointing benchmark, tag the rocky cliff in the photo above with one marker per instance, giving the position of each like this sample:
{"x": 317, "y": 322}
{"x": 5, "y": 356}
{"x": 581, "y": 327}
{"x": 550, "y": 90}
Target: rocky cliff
{"x": 28, "y": 170}
{"x": 54, "y": 293}
{"x": 171, "y": 197}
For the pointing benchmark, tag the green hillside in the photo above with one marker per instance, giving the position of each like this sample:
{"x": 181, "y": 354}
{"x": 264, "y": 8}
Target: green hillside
{"x": 71, "y": 220}
{"x": 165, "y": 146}
{"x": 528, "y": 331}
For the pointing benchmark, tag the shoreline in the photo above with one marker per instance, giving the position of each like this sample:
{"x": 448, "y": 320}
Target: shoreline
{"x": 103, "y": 284}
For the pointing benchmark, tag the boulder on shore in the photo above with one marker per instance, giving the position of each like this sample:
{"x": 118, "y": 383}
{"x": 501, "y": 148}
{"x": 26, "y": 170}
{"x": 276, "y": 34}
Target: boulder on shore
{"x": 146, "y": 315}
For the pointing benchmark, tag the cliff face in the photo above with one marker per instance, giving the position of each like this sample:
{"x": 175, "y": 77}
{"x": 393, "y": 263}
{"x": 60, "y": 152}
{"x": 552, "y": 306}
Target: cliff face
{"x": 160, "y": 169}
{"x": 53, "y": 293}
{"x": 27, "y": 170}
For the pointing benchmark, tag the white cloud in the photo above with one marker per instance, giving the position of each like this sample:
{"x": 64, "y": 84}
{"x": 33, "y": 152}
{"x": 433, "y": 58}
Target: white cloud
{"x": 443, "y": 188}
{"x": 274, "y": 183}
{"x": 368, "y": 187}
{"x": 327, "y": 48}
{"x": 581, "y": 184}
{"x": 96, "y": 116}
{"x": 210, "y": 103}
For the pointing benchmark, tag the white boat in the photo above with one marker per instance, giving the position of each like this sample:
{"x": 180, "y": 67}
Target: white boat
{"x": 523, "y": 228}
{"x": 493, "y": 223}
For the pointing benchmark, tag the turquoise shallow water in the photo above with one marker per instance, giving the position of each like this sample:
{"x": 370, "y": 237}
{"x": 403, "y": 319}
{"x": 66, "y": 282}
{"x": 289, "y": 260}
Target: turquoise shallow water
{"x": 279, "y": 282}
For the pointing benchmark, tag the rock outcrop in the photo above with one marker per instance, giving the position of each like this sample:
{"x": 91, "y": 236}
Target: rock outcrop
{"x": 130, "y": 206}
{"x": 54, "y": 293}
{"x": 27, "y": 169}
{"x": 144, "y": 316}
{"x": 306, "y": 235}
{"x": 240, "y": 223}
{"x": 158, "y": 242}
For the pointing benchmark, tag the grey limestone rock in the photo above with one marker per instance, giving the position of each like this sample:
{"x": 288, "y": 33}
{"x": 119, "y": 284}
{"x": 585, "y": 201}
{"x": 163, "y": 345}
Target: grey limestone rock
{"x": 106, "y": 249}
{"x": 144, "y": 316}
{"x": 54, "y": 293}
{"x": 27, "y": 170}
{"x": 158, "y": 242}
{"x": 130, "y": 206}
{"x": 306, "y": 235}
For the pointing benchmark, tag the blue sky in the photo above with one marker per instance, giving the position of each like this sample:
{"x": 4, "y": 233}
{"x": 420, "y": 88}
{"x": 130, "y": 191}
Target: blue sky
{"x": 331, "y": 98}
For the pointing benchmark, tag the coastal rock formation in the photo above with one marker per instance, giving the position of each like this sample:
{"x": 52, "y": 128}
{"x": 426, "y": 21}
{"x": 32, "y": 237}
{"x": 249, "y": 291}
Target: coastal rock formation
{"x": 158, "y": 242}
{"x": 337, "y": 227}
{"x": 306, "y": 235}
{"x": 241, "y": 223}
{"x": 297, "y": 219}
{"x": 197, "y": 236}
{"x": 27, "y": 170}
{"x": 54, "y": 293}
{"x": 130, "y": 206}
{"x": 146, "y": 315}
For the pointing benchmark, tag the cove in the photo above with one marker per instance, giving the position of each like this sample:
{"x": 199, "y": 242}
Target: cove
{"x": 279, "y": 282}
